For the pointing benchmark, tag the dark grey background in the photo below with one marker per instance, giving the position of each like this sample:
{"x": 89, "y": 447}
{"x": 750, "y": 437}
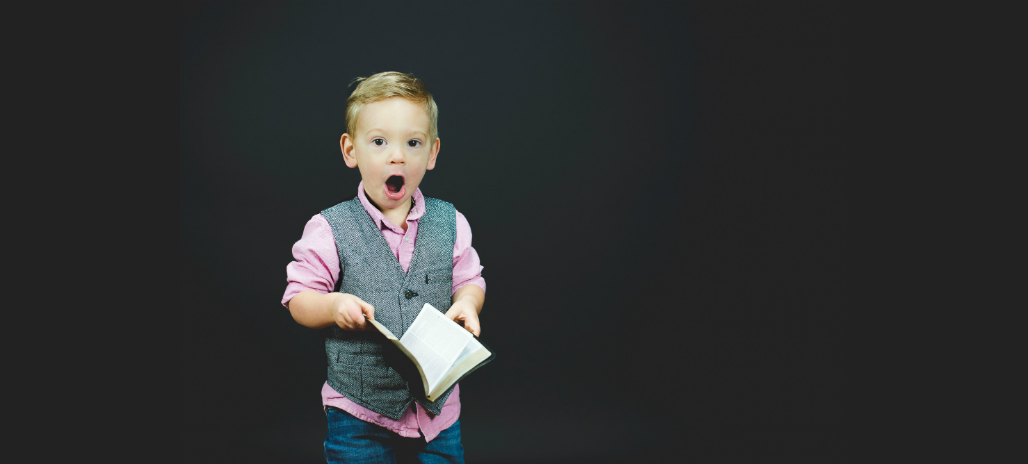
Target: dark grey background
{"x": 656, "y": 192}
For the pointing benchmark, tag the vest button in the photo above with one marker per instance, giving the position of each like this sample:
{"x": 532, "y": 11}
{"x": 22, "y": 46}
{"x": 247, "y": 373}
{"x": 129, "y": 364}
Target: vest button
{"x": 409, "y": 294}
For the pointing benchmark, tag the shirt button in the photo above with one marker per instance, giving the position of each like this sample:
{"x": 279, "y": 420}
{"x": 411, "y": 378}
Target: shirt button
{"x": 406, "y": 238}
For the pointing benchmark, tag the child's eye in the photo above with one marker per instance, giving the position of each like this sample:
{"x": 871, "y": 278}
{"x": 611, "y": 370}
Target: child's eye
{"x": 413, "y": 143}
{"x": 378, "y": 141}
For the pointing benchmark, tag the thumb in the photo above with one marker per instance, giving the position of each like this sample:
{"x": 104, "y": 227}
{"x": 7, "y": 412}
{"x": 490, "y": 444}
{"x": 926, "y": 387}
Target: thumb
{"x": 473, "y": 326}
{"x": 452, "y": 313}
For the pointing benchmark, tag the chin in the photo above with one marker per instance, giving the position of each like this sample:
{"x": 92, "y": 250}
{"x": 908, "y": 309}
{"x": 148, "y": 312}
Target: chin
{"x": 384, "y": 202}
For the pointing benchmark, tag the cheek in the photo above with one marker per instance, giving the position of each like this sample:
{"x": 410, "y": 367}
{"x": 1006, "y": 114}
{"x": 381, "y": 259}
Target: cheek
{"x": 416, "y": 176}
{"x": 368, "y": 172}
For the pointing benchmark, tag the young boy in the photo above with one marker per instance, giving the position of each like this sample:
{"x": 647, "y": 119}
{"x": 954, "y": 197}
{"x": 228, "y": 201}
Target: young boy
{"x": 382, "y": 256}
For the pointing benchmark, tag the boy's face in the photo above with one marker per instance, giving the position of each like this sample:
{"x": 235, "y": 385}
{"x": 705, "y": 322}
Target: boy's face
{"x": 392, "y": 150}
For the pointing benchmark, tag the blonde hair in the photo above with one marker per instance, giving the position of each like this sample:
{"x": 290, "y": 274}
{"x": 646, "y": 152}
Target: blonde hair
{"x": 387, "y": 85}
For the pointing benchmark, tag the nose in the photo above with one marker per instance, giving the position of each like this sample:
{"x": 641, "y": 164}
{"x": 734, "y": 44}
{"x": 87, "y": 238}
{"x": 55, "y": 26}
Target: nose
{"x": 396, "y": 156}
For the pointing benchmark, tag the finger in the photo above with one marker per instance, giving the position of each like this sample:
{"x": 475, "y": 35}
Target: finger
{"x": 364, "y": 311}
{"x": 356, "y": 316}
{"x": 452, "y": 313}
{"x": 369, "y": 311}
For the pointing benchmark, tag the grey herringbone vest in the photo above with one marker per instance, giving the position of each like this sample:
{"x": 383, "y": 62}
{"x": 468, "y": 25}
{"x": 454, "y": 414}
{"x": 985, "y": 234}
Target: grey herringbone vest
{"x": 364, "y": 366}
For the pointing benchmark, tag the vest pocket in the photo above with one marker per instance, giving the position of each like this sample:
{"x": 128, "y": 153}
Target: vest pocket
{"x": 385, "y": 381}
{"x": 433, "y": 278}
{"x": 382, "y": 386}
{"x": 348, "y": 375}
{"x": 437, "y": 290}
{"x": 369, "y": 378}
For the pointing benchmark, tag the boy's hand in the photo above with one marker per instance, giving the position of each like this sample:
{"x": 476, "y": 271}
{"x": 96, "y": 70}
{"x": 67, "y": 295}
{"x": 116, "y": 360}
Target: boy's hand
{"x": 349, "y": 312}
{"x": 464, "y": 313}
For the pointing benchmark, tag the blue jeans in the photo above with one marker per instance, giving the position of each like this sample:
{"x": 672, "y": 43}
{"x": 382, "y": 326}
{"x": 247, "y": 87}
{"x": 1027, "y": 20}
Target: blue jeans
{"x": 351, "y": 440}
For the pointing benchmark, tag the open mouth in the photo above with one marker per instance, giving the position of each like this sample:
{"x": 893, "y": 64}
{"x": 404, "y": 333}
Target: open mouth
{"x": 394, "y": 187}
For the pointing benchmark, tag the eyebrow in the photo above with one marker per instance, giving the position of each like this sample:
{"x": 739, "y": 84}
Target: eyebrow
{"x": 416, "y": 131}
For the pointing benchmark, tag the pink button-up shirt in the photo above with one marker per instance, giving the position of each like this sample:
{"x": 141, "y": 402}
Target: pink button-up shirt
{"x": 316, "y": 267}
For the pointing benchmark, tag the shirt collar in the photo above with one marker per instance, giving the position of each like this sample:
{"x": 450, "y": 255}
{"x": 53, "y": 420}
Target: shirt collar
{"x": 380, "y": 220}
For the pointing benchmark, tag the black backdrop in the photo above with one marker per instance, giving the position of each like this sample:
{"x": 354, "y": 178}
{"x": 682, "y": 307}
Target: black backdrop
{"x": 655, "y": 191}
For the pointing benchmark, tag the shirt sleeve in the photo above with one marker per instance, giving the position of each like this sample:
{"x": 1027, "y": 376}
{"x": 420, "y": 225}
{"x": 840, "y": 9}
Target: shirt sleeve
{"x": 467, "y": 268}
{"x": 316, "y": 261}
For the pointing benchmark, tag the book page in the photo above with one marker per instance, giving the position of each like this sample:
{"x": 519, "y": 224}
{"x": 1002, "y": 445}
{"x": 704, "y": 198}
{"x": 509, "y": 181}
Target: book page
{"x": 436, "y": 342}
{"x": 473, "y": 354}
{"x": 470, "y": 348}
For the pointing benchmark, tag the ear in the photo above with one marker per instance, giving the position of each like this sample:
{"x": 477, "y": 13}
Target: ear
{"x": 346, "y": 145}
{"x": 432, "y": 157}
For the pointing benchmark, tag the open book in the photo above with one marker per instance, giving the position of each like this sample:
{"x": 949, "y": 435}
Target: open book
{"x": 443, "y": 351}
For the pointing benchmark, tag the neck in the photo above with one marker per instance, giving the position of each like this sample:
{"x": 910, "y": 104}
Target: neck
{"x": 398, "y": 215}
